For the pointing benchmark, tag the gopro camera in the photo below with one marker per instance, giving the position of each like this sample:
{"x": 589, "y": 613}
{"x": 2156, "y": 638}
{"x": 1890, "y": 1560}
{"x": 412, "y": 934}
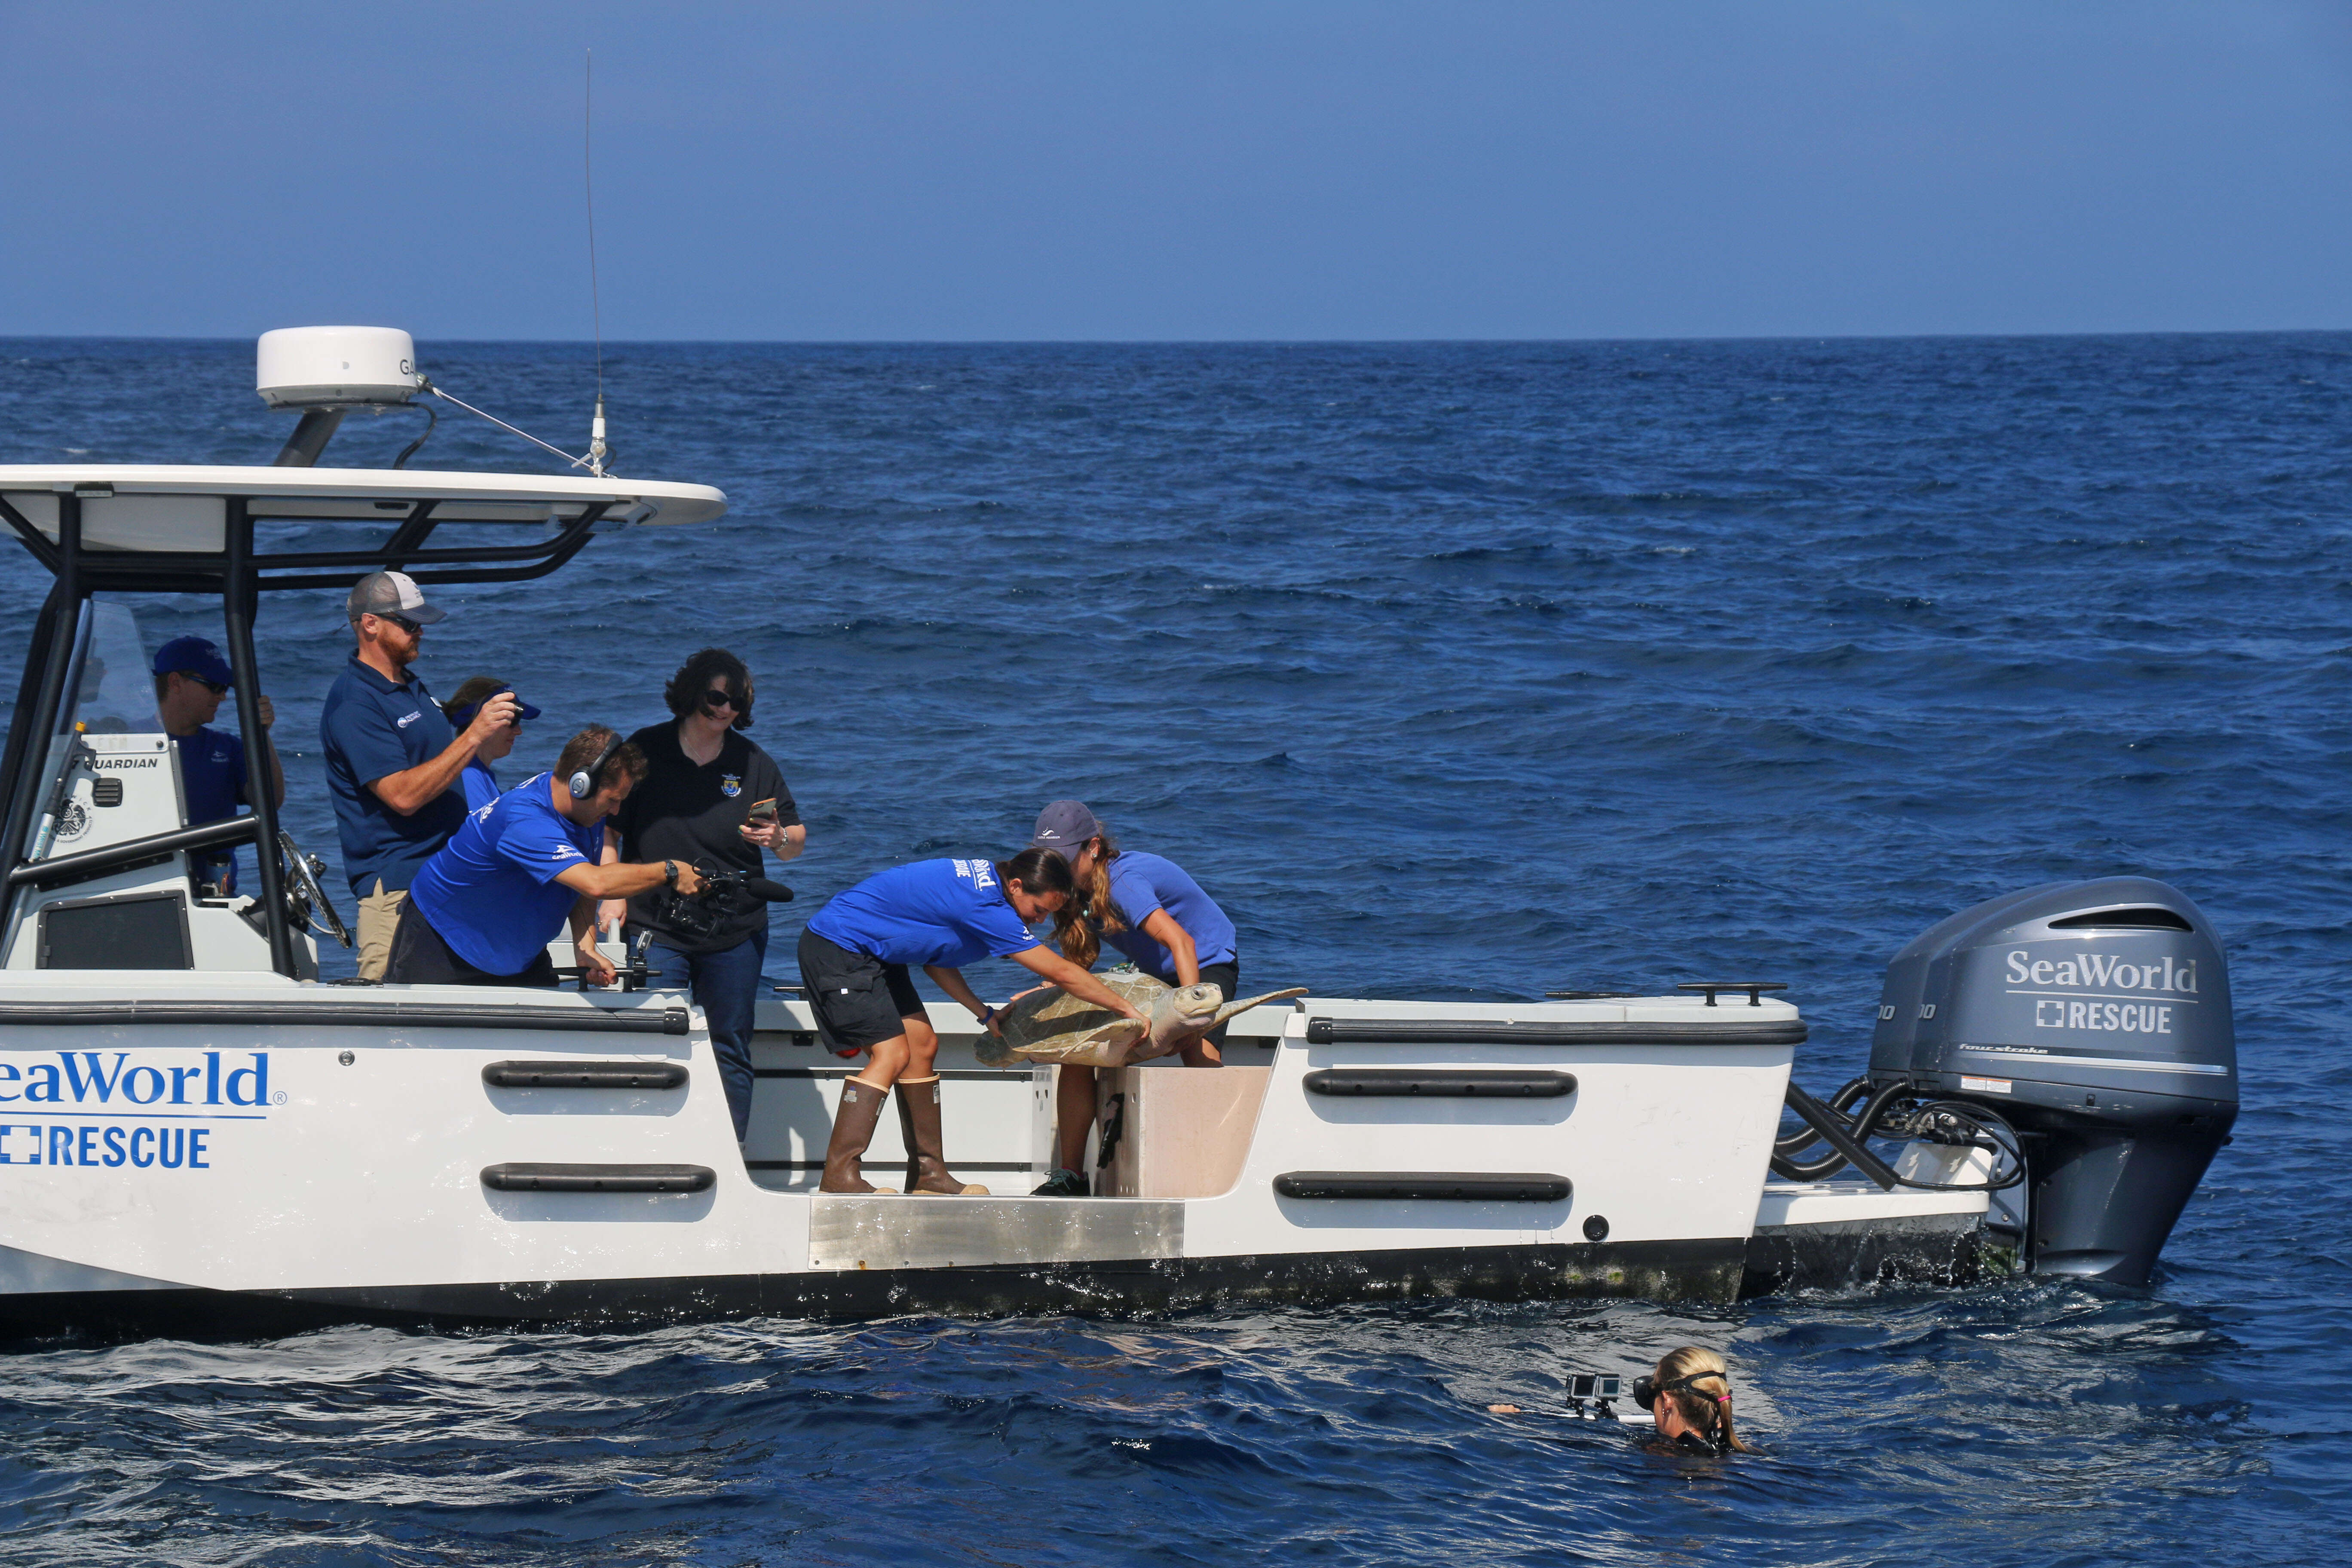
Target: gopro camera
{"x": 1599, "y": 1388}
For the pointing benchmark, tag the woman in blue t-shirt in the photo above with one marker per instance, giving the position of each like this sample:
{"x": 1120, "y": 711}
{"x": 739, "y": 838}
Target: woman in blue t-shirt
{"x": 480, "y": 784}
{"x": 854, "y": 955}
{"x": 1148, "y": 908}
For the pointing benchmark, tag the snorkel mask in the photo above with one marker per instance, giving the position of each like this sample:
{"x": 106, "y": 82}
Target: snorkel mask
{"x": 1647, "y": 1388}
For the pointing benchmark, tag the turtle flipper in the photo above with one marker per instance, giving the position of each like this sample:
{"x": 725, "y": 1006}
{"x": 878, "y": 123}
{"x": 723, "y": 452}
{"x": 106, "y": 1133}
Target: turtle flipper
{"x": 1235, "y": 1009}
{"x": 1107, "y": 1047}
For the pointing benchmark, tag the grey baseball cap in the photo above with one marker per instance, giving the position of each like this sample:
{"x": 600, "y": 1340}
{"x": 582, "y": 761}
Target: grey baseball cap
{"x": 1064, "y": 825}
{"x": 391, "y": 593}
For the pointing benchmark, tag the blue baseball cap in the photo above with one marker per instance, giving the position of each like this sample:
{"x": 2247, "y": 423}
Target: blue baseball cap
{"x": 193, "y": 655}
{"x": 461, "y": 717}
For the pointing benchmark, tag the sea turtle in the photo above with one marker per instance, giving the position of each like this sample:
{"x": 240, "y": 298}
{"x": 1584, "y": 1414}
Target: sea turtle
{"x": 1049, "y": 1024}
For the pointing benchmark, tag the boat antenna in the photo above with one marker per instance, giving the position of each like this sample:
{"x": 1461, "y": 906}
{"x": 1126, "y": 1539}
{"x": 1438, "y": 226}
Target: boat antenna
{"x": 597, "y": 451}
{"x": 598, "y": 454}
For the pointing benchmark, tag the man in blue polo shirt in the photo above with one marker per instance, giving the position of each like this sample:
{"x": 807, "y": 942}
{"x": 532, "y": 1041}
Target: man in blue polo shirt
{"x": 392, "y": 760}
{"x": 191, "y": 679}
{"x": 483, "y": 910}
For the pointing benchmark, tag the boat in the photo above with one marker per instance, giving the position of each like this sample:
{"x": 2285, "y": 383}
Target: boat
{"x": 200, "y": 1135}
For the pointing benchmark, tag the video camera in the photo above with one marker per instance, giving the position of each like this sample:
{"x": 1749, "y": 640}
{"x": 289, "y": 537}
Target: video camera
{"x": 1593, "y": 1396}
{"x": 1599, "y": 1387}
{"x": 1603, "y": 1387}
{"x": 698, "y": 918}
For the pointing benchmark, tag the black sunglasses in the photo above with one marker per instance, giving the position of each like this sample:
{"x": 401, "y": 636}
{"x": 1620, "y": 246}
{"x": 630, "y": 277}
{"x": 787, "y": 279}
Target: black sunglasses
{"x": 217, "y": 687}
{"x": 718, "y": 697}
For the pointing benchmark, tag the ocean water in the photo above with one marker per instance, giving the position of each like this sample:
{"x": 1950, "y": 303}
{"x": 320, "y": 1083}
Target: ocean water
{"x": 1452, "y": 672}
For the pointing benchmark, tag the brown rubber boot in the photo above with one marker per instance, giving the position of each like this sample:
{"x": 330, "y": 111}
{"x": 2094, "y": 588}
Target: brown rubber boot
{"x": 852, "y": 1130}
{"x": 919, "y": 1120}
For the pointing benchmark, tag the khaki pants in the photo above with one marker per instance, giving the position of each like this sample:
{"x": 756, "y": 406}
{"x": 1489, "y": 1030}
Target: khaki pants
{"x": 379, "y": 918}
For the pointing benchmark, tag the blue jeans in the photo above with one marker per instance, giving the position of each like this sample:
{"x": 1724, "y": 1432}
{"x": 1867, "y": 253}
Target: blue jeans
{"x": 725, "y": 986}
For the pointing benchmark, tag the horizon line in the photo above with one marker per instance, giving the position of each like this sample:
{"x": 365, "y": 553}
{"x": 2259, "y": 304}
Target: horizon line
{"x": 1236, "y": 342}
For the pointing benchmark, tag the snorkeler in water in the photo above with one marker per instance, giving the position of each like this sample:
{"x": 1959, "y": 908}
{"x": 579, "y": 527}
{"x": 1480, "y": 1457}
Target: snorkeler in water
{"x": 1688, "y": 1395}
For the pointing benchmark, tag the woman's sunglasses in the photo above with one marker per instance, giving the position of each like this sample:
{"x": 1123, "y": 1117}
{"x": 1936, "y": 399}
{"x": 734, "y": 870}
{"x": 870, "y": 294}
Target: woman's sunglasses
{"x": 718, "y": 697}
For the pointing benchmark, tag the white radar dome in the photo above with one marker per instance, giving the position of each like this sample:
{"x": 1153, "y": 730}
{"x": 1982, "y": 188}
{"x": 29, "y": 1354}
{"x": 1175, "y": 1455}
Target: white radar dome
{"x": 335, "y": 367}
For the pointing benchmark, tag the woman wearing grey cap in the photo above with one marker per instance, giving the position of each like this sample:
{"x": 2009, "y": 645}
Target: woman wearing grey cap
{"x": 1149, "y": 908}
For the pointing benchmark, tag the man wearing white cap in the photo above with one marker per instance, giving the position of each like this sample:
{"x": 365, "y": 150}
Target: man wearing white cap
{"x": 392, "y": 760}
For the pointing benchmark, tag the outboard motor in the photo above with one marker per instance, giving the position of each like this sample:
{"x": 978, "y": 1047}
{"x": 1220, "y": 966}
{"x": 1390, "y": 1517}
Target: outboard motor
{"x": 2095, "y": 1018}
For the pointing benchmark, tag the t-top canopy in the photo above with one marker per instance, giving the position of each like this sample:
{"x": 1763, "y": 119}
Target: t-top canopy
{"x": 237, "y": 531}
{"x": 168, "y": 529}
{"x": 169, "y": 508}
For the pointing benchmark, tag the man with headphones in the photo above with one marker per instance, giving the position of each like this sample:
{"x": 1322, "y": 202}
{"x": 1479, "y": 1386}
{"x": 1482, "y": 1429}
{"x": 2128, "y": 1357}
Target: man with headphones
{"x": 483, "y": 910}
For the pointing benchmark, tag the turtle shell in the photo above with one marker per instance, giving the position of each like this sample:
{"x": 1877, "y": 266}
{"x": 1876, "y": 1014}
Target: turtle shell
{"x": 1049, "y": 1024}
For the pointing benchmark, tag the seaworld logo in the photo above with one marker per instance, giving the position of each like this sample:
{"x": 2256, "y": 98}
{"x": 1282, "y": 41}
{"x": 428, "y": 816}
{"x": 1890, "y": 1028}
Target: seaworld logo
{"x": 80, "y": 1078}
{"x": 2099, "y": 971}
{"x": 171, "y": 1148}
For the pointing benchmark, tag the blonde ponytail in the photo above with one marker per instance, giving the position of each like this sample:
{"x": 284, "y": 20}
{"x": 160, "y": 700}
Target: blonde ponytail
{"x": 1706, "y": 1401}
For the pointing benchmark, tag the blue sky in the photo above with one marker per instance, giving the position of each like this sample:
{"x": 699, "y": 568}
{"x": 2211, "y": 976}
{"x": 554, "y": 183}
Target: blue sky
{"x": 902, "y": 170}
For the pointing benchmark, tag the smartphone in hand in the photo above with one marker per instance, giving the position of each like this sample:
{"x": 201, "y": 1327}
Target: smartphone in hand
{"x": 762, "y": 813}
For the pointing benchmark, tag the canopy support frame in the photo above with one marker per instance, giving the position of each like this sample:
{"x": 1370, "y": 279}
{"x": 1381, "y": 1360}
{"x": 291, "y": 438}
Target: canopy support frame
{"x": 241, "y": 598}
{"x": 53, "y": 656}
{"x": 238, "y": 574}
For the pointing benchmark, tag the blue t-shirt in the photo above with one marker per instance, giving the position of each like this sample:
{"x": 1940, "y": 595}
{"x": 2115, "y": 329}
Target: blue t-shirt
{"x": 212, "y": 772}
{"x": 945, "y": 913}
{"x": 1142, "y": 884}
{"x": 374, "y": 728}
{"x": 481, "y": 785}
{"x": 491, "y": 891}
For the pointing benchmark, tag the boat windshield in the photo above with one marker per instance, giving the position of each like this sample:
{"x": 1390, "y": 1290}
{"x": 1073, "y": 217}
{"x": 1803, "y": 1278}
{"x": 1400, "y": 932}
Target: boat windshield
{"x": 114, "y": 694}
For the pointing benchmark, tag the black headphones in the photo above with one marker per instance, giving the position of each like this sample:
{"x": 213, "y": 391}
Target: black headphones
{"x": 583, "y": 784}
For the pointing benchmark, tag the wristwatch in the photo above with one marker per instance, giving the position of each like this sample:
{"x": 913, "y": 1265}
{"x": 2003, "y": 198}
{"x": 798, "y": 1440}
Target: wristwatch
{"x": 670, "y": 872}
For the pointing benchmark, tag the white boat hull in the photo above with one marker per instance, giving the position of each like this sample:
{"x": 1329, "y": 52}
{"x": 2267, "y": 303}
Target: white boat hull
{"x": 260, "y": 1152}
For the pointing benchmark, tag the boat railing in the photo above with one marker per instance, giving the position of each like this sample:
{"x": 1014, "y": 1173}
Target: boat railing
{"x": 134, "y": 852}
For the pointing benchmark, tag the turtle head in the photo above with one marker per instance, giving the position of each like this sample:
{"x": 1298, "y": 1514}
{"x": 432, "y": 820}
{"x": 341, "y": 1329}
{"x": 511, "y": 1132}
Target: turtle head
{"x": 1194, "y": 1003}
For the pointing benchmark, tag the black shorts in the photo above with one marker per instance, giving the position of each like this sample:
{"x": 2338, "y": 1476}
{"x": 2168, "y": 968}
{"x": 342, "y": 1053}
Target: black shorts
{"x": 858, "y": 1001}
{"x": 1228, "y": 975}
{"x": 419, "y": 957}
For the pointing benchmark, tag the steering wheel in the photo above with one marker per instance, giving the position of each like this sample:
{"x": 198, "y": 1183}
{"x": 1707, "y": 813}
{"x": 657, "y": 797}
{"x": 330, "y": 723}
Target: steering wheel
{"x": 303, "y": 893}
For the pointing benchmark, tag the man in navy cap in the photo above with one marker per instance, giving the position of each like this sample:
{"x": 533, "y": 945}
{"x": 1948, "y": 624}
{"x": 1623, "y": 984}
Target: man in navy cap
{"x": 393, "y": 758}
{"x": 191, "y": 679}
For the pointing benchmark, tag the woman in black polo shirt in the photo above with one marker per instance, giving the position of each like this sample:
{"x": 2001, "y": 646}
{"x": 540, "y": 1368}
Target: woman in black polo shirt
{"x": 703, "y": 783}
